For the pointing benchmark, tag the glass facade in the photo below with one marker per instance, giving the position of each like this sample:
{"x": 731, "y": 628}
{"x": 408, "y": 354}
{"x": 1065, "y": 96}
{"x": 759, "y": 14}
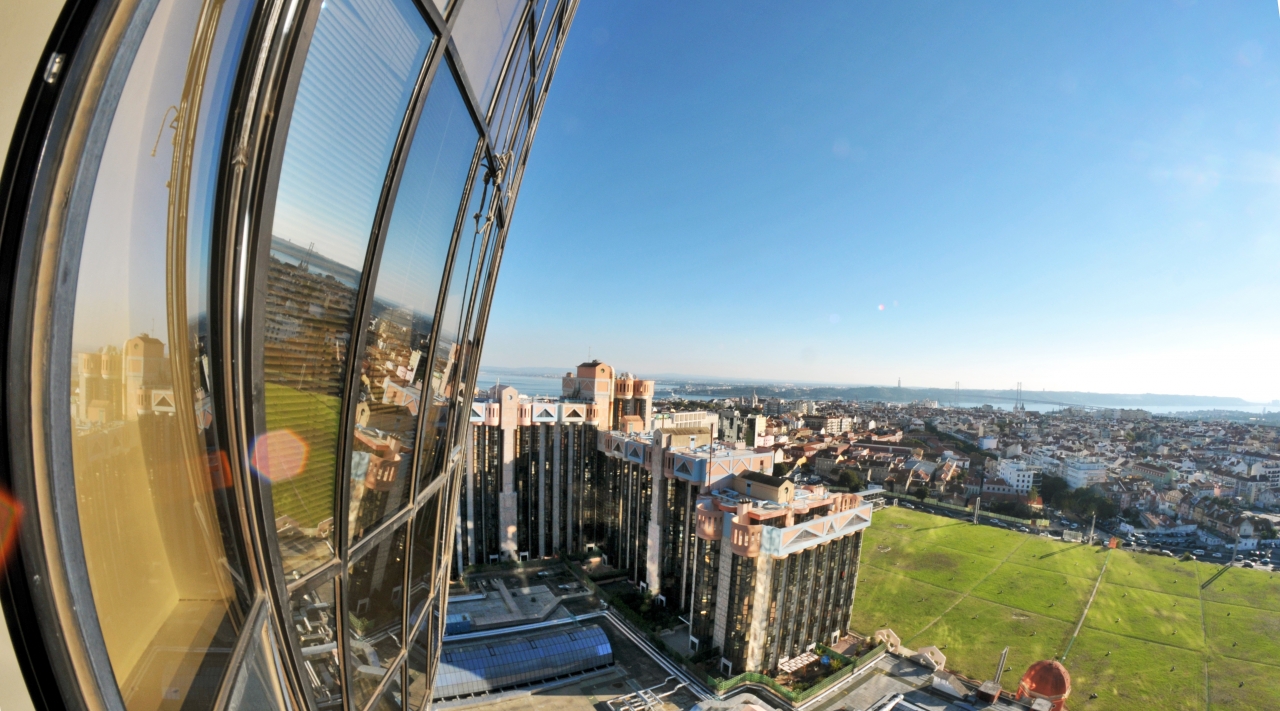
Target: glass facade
{"x": 251, "y": 247}
{"x": 497, "y": 664}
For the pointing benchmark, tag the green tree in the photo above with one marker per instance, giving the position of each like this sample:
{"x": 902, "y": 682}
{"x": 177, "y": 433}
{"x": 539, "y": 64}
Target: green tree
{"x": 920, "y": 493}
{"x": 1054, "y": 489}
{"x": 851, "y": 479}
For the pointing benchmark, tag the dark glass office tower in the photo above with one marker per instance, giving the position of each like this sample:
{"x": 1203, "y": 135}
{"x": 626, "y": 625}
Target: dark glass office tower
{"x": 249, "y": 249}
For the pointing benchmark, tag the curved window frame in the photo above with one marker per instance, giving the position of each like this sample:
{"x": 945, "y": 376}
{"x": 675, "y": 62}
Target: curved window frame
{"x": 51, "y": 169}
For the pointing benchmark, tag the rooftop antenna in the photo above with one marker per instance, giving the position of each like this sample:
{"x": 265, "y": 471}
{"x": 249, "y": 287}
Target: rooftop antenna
{"x": 1000, "y": 670}
{"x": 990, "y": 690}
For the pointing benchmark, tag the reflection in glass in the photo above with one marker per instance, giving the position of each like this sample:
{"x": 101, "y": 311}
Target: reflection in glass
{"x": 513, "y": 104}
{"x": 257, "y": 683}
{"x": 375, "y": 609}
{"x": 425, "y": 555}
{"x": 483, "y": 34}
{"x": 360, "y": 70}
{"x": 315, "y": 625}
{"x": 422, "y": 658}
{"x": 154, "y": 497}
{"x": 395, "y": 362}
{"x": 449, "y": 350}
{"x": 391, "y": 698}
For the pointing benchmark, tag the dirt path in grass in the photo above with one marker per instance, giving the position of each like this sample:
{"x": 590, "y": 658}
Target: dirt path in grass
{"x": 1096, "y": 584}
{"x": 965, "y": 594}
{"x": 1204, "y": 629}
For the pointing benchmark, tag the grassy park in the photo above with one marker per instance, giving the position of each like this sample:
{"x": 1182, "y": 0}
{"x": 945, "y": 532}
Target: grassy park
{"x": 1159, "y": 630}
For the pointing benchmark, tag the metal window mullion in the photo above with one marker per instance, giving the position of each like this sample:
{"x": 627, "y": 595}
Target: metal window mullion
{"x": 266, "y": 89}
{"x": 41, "y": 331}
{"x": 377, "y": 535}
{"x": 367, "y": 289}
{"x": 569, "y": 10}
{"x": 506, "y": 94}
{"x": 434, "y": 341}
{"x": 525, "y": 14}
{"x": 468, "y": 96}
{"x": 398, "y": 666}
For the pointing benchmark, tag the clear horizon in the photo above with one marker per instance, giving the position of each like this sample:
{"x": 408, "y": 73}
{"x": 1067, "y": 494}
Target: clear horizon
{"x": 1078, "y": 198}
{"x": 532, "y": 371}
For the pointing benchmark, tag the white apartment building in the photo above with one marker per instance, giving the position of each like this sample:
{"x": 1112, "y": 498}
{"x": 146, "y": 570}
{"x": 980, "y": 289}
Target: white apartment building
{"x": 1018, "y": 475}
{"x": 1083, "y": 471}
{"x": 1042, "y": 457}
{"x": 1270, "y": 470}
{"x": 683, "y": 420}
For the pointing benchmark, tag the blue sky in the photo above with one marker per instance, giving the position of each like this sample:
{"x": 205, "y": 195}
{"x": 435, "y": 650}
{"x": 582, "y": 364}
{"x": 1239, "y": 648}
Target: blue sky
{"x": 1075, "y": 196}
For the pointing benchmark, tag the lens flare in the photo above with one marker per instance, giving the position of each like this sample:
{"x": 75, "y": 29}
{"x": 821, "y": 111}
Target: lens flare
{"x": 882, "y": 307}
{"x": 10, "y": 517}
{"x": 279, "y": 455}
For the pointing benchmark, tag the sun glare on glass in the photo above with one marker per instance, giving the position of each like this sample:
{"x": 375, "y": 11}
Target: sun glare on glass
{"x": 279, "y": 455}
{"x": 10, "y": 517}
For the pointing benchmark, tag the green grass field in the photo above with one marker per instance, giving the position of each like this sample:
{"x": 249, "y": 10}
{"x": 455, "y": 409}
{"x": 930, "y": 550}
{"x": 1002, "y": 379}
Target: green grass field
{"x": 1153, "y": 637}
{"x": 307, "y": 497}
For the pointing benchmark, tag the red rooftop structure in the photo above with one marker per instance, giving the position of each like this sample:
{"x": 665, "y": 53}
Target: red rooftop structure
{"x": 1047, "y": 680}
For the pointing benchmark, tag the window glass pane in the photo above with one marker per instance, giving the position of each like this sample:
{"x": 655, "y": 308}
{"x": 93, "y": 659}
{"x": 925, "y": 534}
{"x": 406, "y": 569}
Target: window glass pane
{"x": 394, "y": 364}
{"x": 314, "y": 624}
{"x": 483, "y": 34}
{"x": 375, "y": 606}
{"x": 423, "y": 656}
{"x": 257, "y": 684}
{"x": 391, "y": 698}
{"x": 154, "y": 499}
{"x": 448, "y": 351}
{"x": 361, "y": 67}
{"x": 512, "y": 104}
{"x": 425, "y": 560}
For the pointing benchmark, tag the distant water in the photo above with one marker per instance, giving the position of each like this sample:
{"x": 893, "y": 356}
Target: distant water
{"x": 1153, "y": 409}
{"x": 550, "y": 387}
{"x": 666, "y": 392}
{"x": 525, "y": 384}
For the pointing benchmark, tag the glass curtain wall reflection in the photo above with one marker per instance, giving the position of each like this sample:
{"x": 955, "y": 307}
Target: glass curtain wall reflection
{"x": 361, "y": 68}
{"x": 397, "y": 359}
{"x": 331, "y": 180}
{"x": 156, "y": 510}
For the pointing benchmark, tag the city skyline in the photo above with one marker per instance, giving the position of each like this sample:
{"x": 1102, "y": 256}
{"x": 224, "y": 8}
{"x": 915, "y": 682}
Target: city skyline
{"x": 956, "y": 193}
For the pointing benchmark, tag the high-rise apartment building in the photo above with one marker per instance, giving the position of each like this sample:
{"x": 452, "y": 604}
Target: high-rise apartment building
{"x": 248, "y": 249}
{"x": 532, "y": 486}
{"x": 763, "y": 569}
{"x": 774, "y": 569}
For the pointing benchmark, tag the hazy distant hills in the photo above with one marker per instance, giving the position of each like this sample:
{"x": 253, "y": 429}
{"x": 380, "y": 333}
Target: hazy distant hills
{"x": 701, "y": 385}
{"x": 946, "y": 396}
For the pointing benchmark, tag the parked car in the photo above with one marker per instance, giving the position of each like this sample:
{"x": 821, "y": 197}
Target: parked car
{"x": 1217, "y": 555}
{"x": 1167, "y": 554}
{"x": 1239, "y": 557}
{"x": 909, "y": 506}
{"x": 1247, "y": 564}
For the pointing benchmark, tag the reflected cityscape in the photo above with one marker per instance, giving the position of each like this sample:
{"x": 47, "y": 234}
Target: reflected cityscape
{"x": 255, "y": 461}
